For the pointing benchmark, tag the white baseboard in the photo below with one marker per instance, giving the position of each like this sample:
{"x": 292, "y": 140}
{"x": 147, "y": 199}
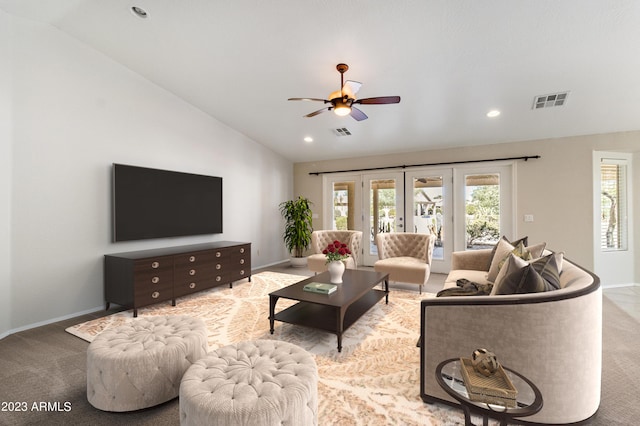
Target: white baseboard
{"x": 269, "y": 264}
{"x": 49, "y": 321}
{"x": 606, "y": 286}
{"x": 92, "y": 310}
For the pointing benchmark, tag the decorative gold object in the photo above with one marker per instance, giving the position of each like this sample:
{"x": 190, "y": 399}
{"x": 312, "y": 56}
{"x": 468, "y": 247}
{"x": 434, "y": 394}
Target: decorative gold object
{"x": 484, "y": 362}
{"x": 495, "y": 389}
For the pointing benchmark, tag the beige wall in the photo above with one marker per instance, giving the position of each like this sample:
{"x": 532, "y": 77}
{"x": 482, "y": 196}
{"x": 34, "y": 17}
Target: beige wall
{"x": 557, "y": 188}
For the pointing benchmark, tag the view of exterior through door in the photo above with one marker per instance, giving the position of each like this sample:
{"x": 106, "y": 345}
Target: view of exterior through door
{"x": 428, "y": 197}
{"x": 482, "y": 210}
{"x": 377, "y": 202}
{"x": 385, "y": 209}
{"x": 343, "y": 200}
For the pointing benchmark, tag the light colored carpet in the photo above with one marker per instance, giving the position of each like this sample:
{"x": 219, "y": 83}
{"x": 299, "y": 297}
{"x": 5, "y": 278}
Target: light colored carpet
{"x": 375, "y": 380}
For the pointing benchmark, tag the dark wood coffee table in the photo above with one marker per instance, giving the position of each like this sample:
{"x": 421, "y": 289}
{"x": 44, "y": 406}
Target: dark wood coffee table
{"x": 334, "y": 312}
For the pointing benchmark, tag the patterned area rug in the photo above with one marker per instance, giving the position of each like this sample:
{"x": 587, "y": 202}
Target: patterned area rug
{"x": 375, "y": 380}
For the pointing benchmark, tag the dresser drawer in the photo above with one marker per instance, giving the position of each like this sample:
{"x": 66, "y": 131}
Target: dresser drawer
{"x": 193, "y": 271}
{"x": 144, "y": 296}
{"x": 187, "y": 260}
{"x": 192, "y": 286}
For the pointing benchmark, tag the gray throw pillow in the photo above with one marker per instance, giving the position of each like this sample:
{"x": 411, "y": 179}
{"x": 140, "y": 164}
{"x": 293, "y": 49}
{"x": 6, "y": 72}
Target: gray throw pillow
{"x": 513, "y": 264}
{"x": 538, "y": 276}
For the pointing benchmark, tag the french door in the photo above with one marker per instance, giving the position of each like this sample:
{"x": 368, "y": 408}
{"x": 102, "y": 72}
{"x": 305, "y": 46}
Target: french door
{"x": 464, "y": 207}
{"x": 371, "y": 203}
{"x": 483, "y": 206}
{"x": 429, "y": 202}
{"x": 383, "y": 210}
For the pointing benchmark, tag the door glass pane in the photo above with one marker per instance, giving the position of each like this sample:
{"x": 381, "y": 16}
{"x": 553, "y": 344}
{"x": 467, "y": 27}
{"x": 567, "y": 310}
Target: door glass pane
{"x": 343, "y": 201}
{"x": 613, "y": 207}
{"x": 382, "y": 199}
{"x": 427, "y": 210}
{"x": 482, "y": 208}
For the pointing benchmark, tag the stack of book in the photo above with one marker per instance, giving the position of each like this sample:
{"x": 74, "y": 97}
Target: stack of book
{"x": 321, "y": 288}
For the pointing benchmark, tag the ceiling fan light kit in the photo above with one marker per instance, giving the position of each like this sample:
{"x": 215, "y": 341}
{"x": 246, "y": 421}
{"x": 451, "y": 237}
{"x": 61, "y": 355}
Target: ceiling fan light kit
{"x": 342, "y": 109}
{"x": 342, "y": 100}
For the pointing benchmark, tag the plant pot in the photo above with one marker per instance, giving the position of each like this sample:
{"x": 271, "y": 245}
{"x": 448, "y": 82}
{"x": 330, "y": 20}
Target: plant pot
{"x": 298, "y": 262}
{"x": 336, "y": 269}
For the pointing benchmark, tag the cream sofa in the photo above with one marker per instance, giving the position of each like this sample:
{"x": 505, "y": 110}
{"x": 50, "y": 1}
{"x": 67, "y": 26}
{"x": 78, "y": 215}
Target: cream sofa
{"x": 554, "y": 338}
{"x": 316, "y": 262}
{"x": 405, "y": 256}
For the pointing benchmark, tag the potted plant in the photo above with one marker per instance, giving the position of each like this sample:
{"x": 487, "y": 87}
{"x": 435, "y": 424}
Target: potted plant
{"x": 297, "y": 229}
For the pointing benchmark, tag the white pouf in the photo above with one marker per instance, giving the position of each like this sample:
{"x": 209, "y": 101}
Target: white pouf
{"x": 256, "y": 383}
{"x": 140, "y": 364}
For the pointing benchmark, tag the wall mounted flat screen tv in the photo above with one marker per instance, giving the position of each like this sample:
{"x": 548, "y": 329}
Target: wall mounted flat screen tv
{"x": 152, "y": 203}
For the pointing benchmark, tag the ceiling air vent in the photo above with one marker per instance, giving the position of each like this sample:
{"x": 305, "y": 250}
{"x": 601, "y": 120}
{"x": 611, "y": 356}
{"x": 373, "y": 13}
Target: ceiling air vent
{"x": 547, "y": 101}
{"x": 342, "y": 131}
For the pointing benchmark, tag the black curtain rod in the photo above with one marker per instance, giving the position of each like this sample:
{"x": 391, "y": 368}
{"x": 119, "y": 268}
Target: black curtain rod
{"x": 404, "y": 166}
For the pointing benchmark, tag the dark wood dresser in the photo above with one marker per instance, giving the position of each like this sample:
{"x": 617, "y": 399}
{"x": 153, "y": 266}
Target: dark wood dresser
{"x": 140, "y": 278}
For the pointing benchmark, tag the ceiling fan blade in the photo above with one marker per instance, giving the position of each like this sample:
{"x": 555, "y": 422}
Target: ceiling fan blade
{"x": 307, "y": 99}
{"x": 350, "y": 88}
{"x": 379, "y": 100}
{"x": 357, "y": 114}
{"x": 320, "y": 111}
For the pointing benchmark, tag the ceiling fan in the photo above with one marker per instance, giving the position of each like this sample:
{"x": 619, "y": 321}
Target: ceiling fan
{"x": 342, "y": 101}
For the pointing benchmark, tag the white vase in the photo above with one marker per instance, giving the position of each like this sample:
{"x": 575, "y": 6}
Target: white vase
{"x": 336, "y": 269}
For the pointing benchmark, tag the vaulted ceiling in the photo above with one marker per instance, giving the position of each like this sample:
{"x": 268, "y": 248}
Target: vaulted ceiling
{"x": 450, "y": 61}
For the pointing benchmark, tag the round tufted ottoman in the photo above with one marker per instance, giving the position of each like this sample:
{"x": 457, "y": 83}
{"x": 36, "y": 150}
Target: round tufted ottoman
{"x": 260, "y": 382}
{"x": 140, "y": 364}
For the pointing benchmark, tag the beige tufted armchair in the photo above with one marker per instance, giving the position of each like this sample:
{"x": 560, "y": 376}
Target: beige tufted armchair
{"x": 320, "y": 240}
{"x": 406, "y": 257}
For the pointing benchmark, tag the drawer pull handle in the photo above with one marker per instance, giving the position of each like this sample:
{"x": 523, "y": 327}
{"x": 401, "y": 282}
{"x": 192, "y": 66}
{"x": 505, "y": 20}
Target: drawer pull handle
{"x": 192, "y": 272}
{"x": 155, "y": 294}
{"x": 242, "y": 272}
{"x": 242, "y": 250}
{"x": 192, "y": 258}
{"x": 242, "y": 261}
{"x": 218, "y": 266}
{"x": 192, "y": 285}
{"x": 155, "y": 280}
{"x": 218, "y": 254}
{"x": 218, "y": 278}
{"x": 155, "y": 265}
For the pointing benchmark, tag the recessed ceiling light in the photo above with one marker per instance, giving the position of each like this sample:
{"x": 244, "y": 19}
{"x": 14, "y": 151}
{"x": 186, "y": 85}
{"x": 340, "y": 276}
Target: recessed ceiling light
{"x": 308, "y": 139}
{"x": 139, "y": 12}
{"x": 493, "y": 113}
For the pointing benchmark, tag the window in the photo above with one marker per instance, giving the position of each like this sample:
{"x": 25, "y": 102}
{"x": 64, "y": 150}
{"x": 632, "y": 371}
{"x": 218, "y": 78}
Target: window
{"x": 428, "y": 200}
{"x": 613, "y": 205}
{"x": 482, "y": 208}
{"x": 343, "y": 215}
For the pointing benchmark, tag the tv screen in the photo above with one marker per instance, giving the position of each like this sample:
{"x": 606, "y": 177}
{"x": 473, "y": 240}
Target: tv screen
{"x": 151, "y": 203}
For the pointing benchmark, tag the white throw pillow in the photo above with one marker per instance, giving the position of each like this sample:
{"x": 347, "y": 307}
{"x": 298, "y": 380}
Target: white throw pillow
{"x": 503, "y": 248}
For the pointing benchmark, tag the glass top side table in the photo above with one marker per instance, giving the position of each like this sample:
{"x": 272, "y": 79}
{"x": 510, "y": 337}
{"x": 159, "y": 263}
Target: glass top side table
{"x": 529, "y": 399}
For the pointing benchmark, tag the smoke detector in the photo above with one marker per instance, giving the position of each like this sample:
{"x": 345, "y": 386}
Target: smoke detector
{"x": 551, "y": 100}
